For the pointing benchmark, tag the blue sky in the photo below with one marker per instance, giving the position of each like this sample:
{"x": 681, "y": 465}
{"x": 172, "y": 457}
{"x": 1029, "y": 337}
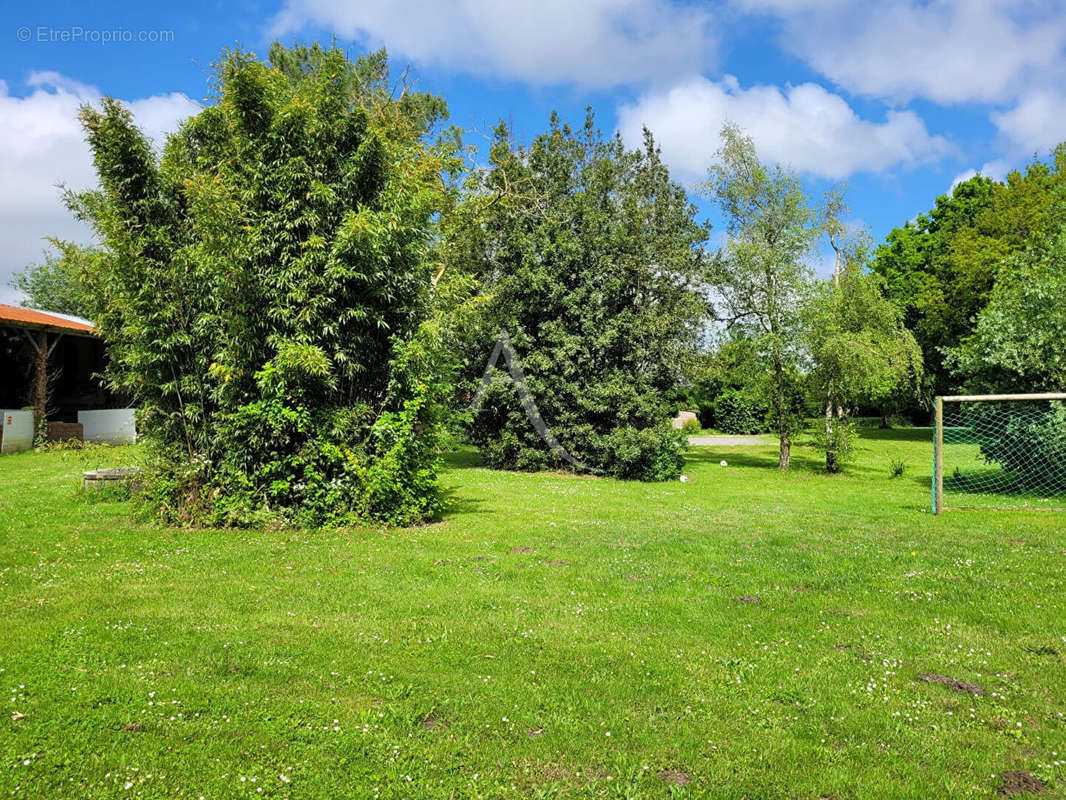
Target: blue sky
{"x": 897, "y": 99}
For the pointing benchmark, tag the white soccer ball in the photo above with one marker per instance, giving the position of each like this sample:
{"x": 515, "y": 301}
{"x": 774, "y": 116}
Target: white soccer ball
{"x": 684, "y": 478}
{"x": 725, "y": 464}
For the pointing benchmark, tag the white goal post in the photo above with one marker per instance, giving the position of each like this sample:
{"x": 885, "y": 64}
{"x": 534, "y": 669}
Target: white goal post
{"x": 1001, "y": 451}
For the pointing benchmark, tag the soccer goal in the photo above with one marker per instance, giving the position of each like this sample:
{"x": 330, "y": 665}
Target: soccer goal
{"x": 1000, "y": 451}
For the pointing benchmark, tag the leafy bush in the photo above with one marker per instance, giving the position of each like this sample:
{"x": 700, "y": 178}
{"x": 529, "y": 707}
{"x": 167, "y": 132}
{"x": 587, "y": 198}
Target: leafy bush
{"x": 1027, "y": 440}
{"x": 691, "y": 426}
{"x": 644, "y": 454}
{"x": 738, "y": 413}
{"x": 264, "y": 289}
{"x": 729, "y": 387}
{"x": 587, "y": 255}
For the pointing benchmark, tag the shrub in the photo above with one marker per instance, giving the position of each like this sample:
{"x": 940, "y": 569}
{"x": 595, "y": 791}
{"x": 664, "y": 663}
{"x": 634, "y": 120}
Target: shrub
{"x": 645, "y": 454}
{"x": 691, "y": 426}
{"x": 265, "y": 289}
{"x": 1027, "y": 440}
{"x": 586, "y": 254}
{"x": 737, "y": 413}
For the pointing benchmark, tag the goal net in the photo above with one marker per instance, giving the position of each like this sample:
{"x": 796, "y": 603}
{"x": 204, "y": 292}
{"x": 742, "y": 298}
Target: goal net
{"x": 1000, "y": 451}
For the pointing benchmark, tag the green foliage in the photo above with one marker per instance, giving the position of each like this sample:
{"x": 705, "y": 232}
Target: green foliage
{"x": 266, "y": 292}
{"x": 1026, "y": 439}
{"x": 739, "y": 412}
{"x": 691, "y": 426}
{"x": 587, "y": 255}
{"x": 62, "y": 281}
{"x": 735, "y": 369}
{"x": 644, "y": 454}
{"x": 367, "y": 84}
{"x": 1017, "y": 344}
{"x": 941, "y": 268}
{"x": 762, "y": 277}
{"x": 861, "y": 352}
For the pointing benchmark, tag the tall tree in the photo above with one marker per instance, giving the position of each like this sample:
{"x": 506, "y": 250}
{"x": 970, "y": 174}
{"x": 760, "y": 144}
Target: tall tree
{"x": 942, "y": 267}
{"x": 860, "y": 349}
{"x": 368, "y": 84}
{"x": 1019, "y": 340}
{"x": 762, "y": 278}
{"x": 587, "y": 254}
{"x": 920, "y": 274}
{"x": 264, "y": 293}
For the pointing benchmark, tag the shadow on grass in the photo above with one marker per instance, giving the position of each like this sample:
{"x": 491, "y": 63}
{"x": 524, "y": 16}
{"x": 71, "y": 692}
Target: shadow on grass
{"x": 1001, "y": 487}
{"x": 456, "y": 505}
{"x": 462, "y": 457}
{"x": 897, "y": 434}
{"x": 807, "y": 458}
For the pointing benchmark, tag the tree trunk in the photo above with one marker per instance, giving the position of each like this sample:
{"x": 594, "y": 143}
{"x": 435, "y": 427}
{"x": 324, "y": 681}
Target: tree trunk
{"x": 784, "y": 454}
{"x": 830, "y": 456}
{"x": 40, "y": 381}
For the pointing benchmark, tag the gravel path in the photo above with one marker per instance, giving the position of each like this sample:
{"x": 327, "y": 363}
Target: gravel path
{"x": 727, "y": 441}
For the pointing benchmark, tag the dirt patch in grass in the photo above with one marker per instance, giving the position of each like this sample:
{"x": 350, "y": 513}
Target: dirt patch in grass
{"x": 675, "y": 777}
{"x": 858, "y": 652}
{"x": 558, "y": 563}
{"x": 952, "y": 683}
{"x": 536, "y": 733}
{"x": 533, "y": 777}
{"x": 132, "y": 727}
{"x": 522, "y": 550}
{"x": 748, "y": 599}
{"x": 433, "y": 722}
{"x": 1019, "y": 781}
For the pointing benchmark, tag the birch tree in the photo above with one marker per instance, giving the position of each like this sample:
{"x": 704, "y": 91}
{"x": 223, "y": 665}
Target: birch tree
{"x": 859, "y": 347}
{"x": 762, "y": 277}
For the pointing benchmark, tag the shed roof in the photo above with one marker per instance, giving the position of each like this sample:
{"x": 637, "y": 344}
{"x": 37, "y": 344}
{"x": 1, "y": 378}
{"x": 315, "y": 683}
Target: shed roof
{"x": 18, "y": 317}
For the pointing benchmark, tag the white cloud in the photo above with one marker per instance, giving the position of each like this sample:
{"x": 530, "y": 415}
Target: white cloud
{"x": 1036, "y": 123}
{"x": 962, "y": 177}
{"x": 593, "y": 43}
{"x": 996, "y": 170}
{"x": 41, "y": 146}
{"x": 805, "y": 126}
{"x": 948, "y": 51}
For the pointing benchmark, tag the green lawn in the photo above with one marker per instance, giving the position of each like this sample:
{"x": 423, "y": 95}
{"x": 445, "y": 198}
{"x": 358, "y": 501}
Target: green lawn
{"x": 743, "y": 635}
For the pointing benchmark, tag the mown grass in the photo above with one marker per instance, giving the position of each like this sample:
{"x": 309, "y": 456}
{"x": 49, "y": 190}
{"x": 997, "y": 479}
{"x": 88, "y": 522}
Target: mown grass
{"x": 742, "y": 635}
